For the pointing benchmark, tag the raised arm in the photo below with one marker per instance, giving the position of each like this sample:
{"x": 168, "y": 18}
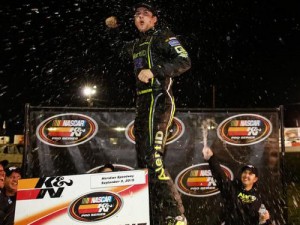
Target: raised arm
{"x": 223, "y": 182}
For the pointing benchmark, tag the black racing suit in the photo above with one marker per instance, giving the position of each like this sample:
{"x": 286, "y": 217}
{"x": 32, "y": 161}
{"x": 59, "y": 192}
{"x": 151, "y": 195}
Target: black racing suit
{"x": 7, "y": 208}
{"x": 161, "y": 52}
{"x": 241, "y": 206}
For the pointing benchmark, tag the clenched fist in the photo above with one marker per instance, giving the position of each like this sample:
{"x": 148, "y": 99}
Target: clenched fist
{"x": 111, "y": 22}
{"x": 145, "y": 75}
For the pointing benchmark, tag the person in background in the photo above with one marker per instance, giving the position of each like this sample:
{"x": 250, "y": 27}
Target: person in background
{"x": 3, "y": 164}
{"x": 243, "y": 205}
{"x": 158, "y": 57}
{"x": 9, "y": 193}
{"x": 106, "y": 168}
{"x": 3, "y": 205}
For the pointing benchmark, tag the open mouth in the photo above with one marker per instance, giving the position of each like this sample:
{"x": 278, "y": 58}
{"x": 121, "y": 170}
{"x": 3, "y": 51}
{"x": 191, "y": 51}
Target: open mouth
{"x": 245, "y": 179}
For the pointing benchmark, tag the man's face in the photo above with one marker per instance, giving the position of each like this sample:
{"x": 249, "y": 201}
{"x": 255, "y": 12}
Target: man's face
{"x": 2, "y": 176}
{"x": 144, "y": 19}
{"x": 248, "y": 179}
{"x": 106, "y": 169}
{"x": 11, "y": 182}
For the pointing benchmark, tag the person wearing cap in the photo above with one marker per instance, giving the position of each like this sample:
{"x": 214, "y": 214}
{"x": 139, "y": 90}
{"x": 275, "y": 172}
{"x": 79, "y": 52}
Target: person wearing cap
{"x": 158, "y": 57}
{"x": 13, "y": 175}
{"x": 9, "y": 193}
{"x": 243, "y": 204}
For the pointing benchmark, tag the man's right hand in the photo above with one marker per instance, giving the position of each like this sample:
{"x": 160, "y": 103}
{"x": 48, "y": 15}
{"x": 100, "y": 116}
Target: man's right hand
{"x": 111, "y": 22}
{"x": 263, "y": 217}
{"x": 207, "y": 153}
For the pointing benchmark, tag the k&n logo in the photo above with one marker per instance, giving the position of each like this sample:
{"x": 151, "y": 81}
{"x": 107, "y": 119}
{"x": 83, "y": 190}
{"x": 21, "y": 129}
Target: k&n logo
{"x": 42, "y": 187}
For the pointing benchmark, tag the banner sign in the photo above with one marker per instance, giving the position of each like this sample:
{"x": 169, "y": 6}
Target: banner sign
{"x": 70, "y": 141}
{"x": 101, "y": 198}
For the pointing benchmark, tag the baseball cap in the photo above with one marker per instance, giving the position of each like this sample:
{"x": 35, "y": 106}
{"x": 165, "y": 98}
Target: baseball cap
{"x": 251, "y": 168}
{"x": 146, "y": 5}
{"x": 11, "y": 169}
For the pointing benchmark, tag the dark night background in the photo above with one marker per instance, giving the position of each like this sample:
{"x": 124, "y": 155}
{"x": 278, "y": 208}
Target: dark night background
{"x": 249, "y": 51}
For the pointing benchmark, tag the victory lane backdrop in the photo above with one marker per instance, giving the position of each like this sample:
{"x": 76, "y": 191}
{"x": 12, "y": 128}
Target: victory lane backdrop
{"x": 69, "y": 141}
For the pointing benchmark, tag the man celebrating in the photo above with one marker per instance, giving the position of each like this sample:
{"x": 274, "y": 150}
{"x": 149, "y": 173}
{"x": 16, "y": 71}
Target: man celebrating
{"x": 9, "y": 193}
{"x": 242, "y": 203}
{"x": 158, "y": 57}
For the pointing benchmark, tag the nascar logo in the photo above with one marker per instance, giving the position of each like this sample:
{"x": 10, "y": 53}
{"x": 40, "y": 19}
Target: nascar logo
{"x": 197, "y": 180}
{"x": 65, "y": 130}
{"x": 244, "y": 129}
{"x": 95, "y": 206}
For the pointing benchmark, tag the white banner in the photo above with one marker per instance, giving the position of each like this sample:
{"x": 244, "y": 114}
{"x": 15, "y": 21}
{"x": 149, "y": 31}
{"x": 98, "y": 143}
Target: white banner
{"x": 105, "y": 198}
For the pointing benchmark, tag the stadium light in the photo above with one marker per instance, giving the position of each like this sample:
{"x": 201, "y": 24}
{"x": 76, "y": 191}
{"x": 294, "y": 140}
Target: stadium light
{"x": 89, "y": 92}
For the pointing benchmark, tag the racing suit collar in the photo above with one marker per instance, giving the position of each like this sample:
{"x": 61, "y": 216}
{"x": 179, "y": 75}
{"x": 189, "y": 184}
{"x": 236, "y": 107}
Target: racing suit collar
{"x": 147, "y": 33}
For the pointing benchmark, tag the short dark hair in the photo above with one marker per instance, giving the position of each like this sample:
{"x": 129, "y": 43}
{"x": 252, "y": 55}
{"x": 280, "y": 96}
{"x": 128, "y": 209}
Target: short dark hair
{"x": 4, "y": 163}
